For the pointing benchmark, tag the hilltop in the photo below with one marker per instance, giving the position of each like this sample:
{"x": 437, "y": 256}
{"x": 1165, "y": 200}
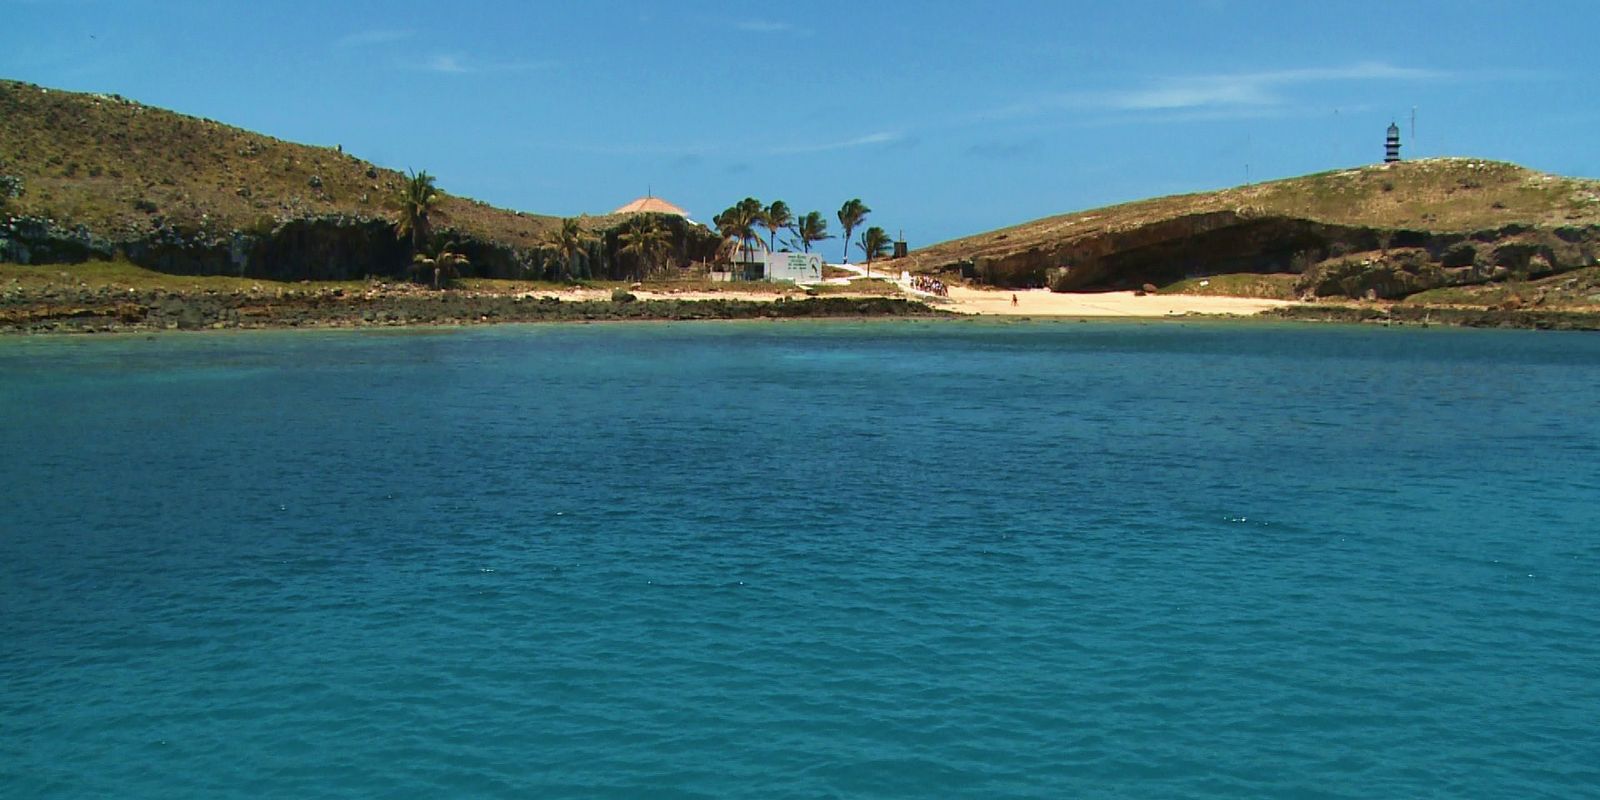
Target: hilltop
{"x": 1384, "y": 230}
{"x": 101, "y": 176}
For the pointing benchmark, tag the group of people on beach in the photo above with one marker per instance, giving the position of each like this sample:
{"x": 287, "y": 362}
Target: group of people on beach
{"x": 931, "y": 285}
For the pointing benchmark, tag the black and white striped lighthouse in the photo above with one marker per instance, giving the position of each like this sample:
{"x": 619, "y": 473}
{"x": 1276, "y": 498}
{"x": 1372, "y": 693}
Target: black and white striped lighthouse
{"x": 1391, "y": 145}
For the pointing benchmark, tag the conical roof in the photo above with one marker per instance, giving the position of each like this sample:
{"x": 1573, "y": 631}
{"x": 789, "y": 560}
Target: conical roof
{"x": 651, "y": 205}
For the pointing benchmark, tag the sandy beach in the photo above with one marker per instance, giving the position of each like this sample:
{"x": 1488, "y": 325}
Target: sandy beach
{"x": 986, "y": 302}
{"x": 1045, "y": 303}
{"x": 994, "y": 302}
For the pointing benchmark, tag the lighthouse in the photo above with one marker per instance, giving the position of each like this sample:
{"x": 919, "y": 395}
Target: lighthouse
{"x": 1391, "y": 145}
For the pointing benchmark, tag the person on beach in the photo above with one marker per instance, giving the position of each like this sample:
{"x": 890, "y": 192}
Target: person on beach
{"x": 1013, "y": 299}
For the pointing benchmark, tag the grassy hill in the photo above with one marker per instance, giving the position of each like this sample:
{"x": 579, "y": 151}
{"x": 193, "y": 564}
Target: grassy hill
{"x": 1439, "y": 214}
{"x": 101, "y": 176}
{"x": 115, "y": 166}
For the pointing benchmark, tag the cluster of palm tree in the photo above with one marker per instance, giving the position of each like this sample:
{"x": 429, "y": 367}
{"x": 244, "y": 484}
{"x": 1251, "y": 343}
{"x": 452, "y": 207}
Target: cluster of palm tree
{"x": 445, "y": 263}
{"x": 741, "y": 222}
{"x": 569, "y": 240}
{"x": 416, "y": 205}
{"x": 645, "y": 240}
{"x": 738, "y": 224}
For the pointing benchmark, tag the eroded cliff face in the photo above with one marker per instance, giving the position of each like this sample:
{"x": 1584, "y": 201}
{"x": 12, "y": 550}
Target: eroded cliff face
{"x": 1331, "y": 259}
{"x": 320, "y": 248}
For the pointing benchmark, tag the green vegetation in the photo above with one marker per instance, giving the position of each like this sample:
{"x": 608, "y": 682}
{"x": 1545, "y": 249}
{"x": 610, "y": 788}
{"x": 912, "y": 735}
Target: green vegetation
{"x": 1271, "y": 286}
{"x": 869, "y": 287}
{"x": 10, "y": 187}
{"x": 1579, "y": 288}
{"x": 445, "y": 265}
{"x": 774, "y": 218}
{"x": 646, "y": 243}
{"x": 414, "y": 205}
{"x": 737, "y": 225}
{"x": 811, "y": 228}
{"x": 874, "y": 243}
{"x": 569, "y": 240}
{"x": 851, "y": 214}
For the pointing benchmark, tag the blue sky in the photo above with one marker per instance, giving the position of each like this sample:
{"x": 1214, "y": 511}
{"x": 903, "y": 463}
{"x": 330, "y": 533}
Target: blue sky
{"x": 947, "y": 118}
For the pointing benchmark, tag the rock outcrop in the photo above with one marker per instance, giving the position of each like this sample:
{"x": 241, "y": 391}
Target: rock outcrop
{"x": 1383, "y": 232}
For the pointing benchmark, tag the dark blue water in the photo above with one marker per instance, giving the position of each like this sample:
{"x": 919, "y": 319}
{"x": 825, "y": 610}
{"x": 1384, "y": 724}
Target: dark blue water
{"x": 793, "y": 560}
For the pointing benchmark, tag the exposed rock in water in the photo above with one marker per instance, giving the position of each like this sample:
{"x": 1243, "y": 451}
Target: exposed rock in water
{"x": 104, "y": 310}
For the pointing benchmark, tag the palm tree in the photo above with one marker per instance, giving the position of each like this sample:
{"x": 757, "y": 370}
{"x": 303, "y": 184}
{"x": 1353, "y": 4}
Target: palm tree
{"x": 739, "y": 222}
{"x": 774, "y": 218}
{"x": 851, "y": 214}
{"x": 568, "y": 240}
{"x": 874, "y": 243}
{"x": 750, "y": 211}
{"x": 731, "y": 228}
{"x": 416, "y": 202}
{"x": 645, "y": 239}
{"x": 445, "y": 264}
{"x": 813, "y": 227}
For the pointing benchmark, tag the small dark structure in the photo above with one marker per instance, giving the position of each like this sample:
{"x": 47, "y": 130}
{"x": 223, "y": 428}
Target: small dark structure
{"x": 900, "y": 249}
{"x": 1391, "y": 145}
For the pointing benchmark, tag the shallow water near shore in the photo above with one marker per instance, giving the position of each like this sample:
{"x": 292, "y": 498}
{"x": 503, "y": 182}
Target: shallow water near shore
{"x": 907, "y": 559}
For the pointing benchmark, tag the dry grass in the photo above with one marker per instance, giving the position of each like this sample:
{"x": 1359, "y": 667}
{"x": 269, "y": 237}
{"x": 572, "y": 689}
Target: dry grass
{"x": 860, "y": 287}
{"x": 1271, "y": 287}
{"x": 123, "y": 275}
{"x": 1578, "y": 289}
{"x": 117, "y": 166}
{"x": 1447, "y": 194}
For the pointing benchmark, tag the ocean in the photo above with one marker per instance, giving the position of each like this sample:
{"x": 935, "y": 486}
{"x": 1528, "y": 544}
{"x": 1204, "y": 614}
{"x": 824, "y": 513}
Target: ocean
{"x": 846, "y": 559}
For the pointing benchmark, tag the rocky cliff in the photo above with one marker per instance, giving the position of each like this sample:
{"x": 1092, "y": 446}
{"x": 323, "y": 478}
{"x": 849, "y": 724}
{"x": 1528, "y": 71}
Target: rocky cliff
{"x": 1383, "y": 231}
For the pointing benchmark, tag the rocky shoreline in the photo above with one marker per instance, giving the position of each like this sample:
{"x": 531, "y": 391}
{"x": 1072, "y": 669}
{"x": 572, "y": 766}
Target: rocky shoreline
{"x": 1455, "y": 316}
{"x": 113, "y": 311}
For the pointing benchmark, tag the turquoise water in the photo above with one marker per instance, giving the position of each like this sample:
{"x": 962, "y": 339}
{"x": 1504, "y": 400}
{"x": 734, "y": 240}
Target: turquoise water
{"x": 794, "y": 560}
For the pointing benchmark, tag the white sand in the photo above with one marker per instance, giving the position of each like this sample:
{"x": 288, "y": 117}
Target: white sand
{"x": 1045, "y": 303}
{"x": 997, "y": 302}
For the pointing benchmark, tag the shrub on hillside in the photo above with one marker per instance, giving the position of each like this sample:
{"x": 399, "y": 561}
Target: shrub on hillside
{"x": 10, "y": 187}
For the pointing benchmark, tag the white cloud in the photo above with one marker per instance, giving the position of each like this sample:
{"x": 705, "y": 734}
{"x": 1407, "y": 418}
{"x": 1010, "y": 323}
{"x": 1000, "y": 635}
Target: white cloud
{"x": 1241, "y": 93}
{"x": 707, "y": 149}
{"x": 881, "y": 137}
{"x": 375, "y": 37}
{"x": 1251, "y": 88}
{"x": 763, "y": 26}
{"x": 447, "y": 64}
